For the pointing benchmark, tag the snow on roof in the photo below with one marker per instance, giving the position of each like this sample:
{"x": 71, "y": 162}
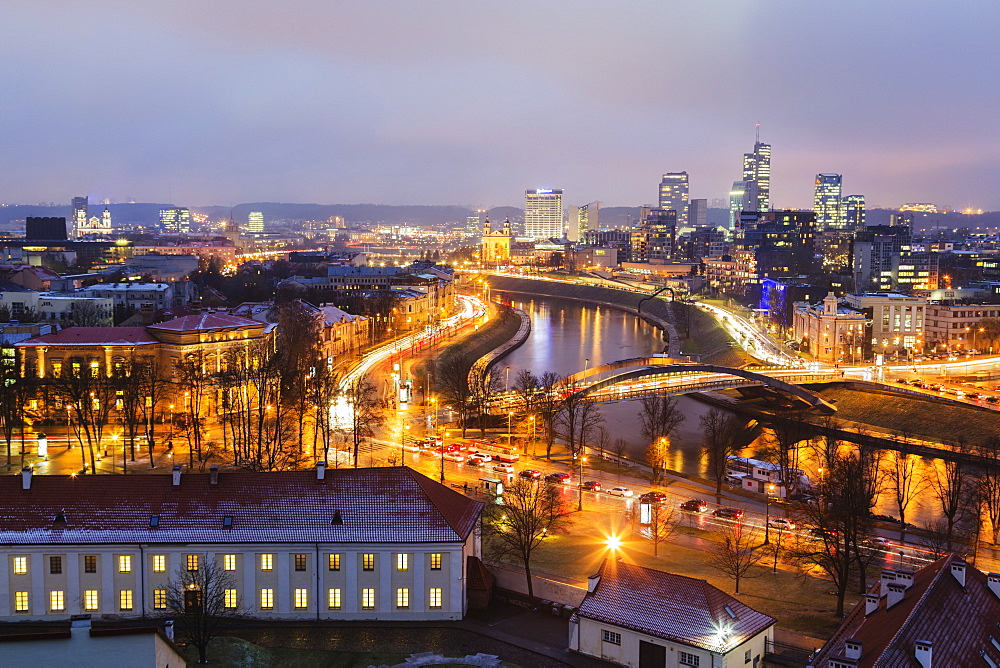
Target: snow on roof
{"x": 391, "y": 505}
{"x": 204, "y": 321}
{"x": 94, "y": 336}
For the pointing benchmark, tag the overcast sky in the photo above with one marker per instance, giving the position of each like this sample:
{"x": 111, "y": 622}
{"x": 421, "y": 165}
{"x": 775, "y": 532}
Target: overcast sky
{"x": 468, "y": 102}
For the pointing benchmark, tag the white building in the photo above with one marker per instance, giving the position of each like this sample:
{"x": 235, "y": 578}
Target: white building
{"x": 635, "y": 616}
{"x": 255, "y": 222}
{"x": 377, "y": 543}
{"x": 543, "y": 213}
{"x": 136, "y": 294}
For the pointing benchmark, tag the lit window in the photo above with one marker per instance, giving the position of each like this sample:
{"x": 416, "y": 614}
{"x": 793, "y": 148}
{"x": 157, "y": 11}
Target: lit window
{"x": 266, "y": 599}
{"x": 436, "y": 561}
{"x": 334, "y": 562}
{"x": 368, "y": 599}
{"x": 124, "y": 563}
{"x": 687, "y": 659}
{"x": 266, "y": 562}
{"x": 90, "y": 563}
{"x": 57, "y": 601}
{"x": 159, "y": 563}
{"x": 612, "y": 637}
{"x": 160, "y": 599}
{"x": 368, "y": 562}
{"x": 301, "y": 598}
{"x": 90, "y": 599}
{"x": 229, "y": 596}
{"x": 55, "y": 565}
{"x": 333, "y": 596}
{"x": 125, "y": 599}
{"x": 402, "y": 598}
{"x": 20, "y": 601}
{"x": 434, "y": 597}
{"x": 192, "y": 562}
{"x": 229, "y": 562}
{"x": 300, "y": 562}
{"x": 20, "y": 565}
{"x": 402, "y": 562}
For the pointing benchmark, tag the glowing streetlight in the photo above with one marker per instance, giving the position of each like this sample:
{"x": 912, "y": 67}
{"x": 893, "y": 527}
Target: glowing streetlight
{"x": 614, "y": 543}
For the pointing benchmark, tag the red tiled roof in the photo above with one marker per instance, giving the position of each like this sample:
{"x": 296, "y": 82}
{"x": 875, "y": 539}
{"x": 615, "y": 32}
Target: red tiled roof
{"x": 675, "y": 607}
{"x": 94, "y": 336}
{"x": 204, "y": 321}
{"x": 393, "y": 504}
{"x": 959, "y": 621}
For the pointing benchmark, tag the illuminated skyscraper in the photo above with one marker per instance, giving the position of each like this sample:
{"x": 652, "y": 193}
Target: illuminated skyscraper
{"x": 757, "y": 176}
{"x": 853, "y": 212}
{"x": 583, "y": 219}
{"x": 543, "y": 213}
{"x": 737, "y": 197}
{"x": 175, "y": 219}
{"x": 78, "y": 222}
{"x": 674, "y": 195}
{"x": 826, "y": 202}
{"x": 255, "y": 222}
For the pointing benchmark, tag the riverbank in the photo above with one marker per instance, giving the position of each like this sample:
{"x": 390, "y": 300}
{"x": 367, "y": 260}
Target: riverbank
{"x": 505, "y": 330}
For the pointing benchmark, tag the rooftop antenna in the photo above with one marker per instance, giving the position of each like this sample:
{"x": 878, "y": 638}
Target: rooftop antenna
{"x": 758, "y": 134}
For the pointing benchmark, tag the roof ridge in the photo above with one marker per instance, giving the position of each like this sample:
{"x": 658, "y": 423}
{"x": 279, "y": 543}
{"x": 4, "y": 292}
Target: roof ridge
{"x": 421, "y": 480}
{"x": 909, "y": 617}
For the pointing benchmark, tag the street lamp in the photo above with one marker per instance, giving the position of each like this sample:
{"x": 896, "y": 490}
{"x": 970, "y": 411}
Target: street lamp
{"x": 441, "y": 449}
{"x": 767, "y": 514}
{"x": 402, "y": 443}
{"x": 510, "y": 436}
{"x": 532, "y": 436}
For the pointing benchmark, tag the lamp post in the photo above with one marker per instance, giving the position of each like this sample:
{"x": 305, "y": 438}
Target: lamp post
{"x": 441, "y": 450}
{"x": 767, "y": 514}
{"x": 402, "y": 443}
{"x": 510, "y": 436}
{"x": 532, "y": 436}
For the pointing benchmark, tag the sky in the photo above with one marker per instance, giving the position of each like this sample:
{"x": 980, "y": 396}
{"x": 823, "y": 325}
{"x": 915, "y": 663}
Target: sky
{"x": 467, "y": 102}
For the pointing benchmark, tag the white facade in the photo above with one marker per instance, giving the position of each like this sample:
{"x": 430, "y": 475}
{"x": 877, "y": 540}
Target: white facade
{"x": 543, "y": 213}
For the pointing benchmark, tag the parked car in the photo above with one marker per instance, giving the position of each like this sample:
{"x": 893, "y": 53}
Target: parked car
{"x": 781, "y": 523}
{"x": 561, "y": 478}
{"x": 730, "y": 513}
{"x": 802, "y": 497}
{"x": 653, "y": 497}
{"x": 592, "y": 485}
{"x": 530, "y": 474}
{"x": 620, "y": 491}
{"x": 695, "y": 506}
{"x": 482, "y": 455}
{"x": 503, "y": 468}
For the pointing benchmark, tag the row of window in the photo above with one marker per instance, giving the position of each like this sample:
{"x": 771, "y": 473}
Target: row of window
{"x": 683, "y": 658}
{"x": 20, "y": 563}
{"x": 300, "y": 599}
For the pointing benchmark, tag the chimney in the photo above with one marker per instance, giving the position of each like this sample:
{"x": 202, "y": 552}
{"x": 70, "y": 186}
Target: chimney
{"x": 905, "y": 578}
{"x": 887, "y": 577}
{"x": 177, "y": 475}
{"x": 213, "y": 474}
{"x": 592, "y": 582}
{"x": 168, "y": 628}
{"x": 26, "y": 477}
{"x": 320, "y": 470}
{"x": 993, "y": 582}
{"x": 923, "y": 653}
{"x": 895, "y": 594}
{"x": 958, "y": 572}
{"x": 871, "y": 603}
{"x": 852, "y": 649}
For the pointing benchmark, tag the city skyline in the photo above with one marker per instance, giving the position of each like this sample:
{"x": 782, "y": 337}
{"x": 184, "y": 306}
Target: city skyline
{"x": 214, "y": 104}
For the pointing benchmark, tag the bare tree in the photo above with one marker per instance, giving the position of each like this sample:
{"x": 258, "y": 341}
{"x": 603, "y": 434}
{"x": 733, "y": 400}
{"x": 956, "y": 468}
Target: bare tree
{"x": 193, "y": 379}
{"x": 950, "y": 485}
{"x": 656, "y": 456}
{"x": 783, "y": 446}
{"x": 735, "y": 552}
{"x": 154, "y": 388}
{"x": 722, "y": 436}
{"x": 660, "y": 416}
{"x": 366, "y": 417}
{"x": 662, "y": 524}
{"x": 452, "y": 376}
{"x": 322, "y": 391}
{"x": 205, "y": 601}
{"x": 526, "y": 387}
{"x": 484, "y": 383}
{"x": 989, "y": 484}
{"x": 548, "y": 404}
{"x": 620, "y": 448}
{"x": 530, "y": 513}
{"x": 17, "y": 390}
{"x": 906, "y": 485}
{"x": 84, "y": 387}
{"x": 86, "y": 313}
{"x": 299, "y": 357}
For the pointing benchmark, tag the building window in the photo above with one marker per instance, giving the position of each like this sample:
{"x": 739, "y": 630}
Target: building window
{"x": 434, "y": 597}
{"x": 334, "y": 562}
{"x": 368, "y": 562}
{"x": 160, "y": 599}
{"x": 266, "y": 562}
{"x": 611, "y": 637}
{"x": 124, "y": 563}
{"x": 333, "y": 599}
{"x": 229, "y": 562}
{"x": 90, "y": 599}
{"x": 57, "y": 601}
{"x": 20, "y": 565}
{"x": 436, "y": 561}
{"x": 367, "y": 599}
{"x": 20, "y": 601}
{"x": 266, "y": 599}
{"x": 192, "y": 562}
{"x": 301, "y": 598}
{"x": 55, "y": 565}
{"x": 229, "y": 596}
{"x": 125, "y": 599}
{"x": 402, "y": 562}
{"x": 687, "y": 659}
{"x": 159, "y": 563}
{"x": 300, "y": 562}
{"x": 402, "y": 598}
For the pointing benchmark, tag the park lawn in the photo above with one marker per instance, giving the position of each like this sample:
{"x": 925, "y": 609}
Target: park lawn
{"x": 236, "y": 652}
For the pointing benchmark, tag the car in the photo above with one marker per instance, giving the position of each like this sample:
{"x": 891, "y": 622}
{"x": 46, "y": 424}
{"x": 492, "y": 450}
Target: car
{"x": 820, "y": 532}
{"x": 530, "y": 474}
{"x": 781, "y": 523}
{"x": 620, "y": 491}
{"x": 653, "y": 497}
{"x": 503, "y": 468}
{"x": 476, "y": 461}
{"x": 561, "y": 478}
{"x": 454, "y": 456}
{"x": 802, "y": 497}
{"x": 993, "y": 399}
{"x": 729, "y": 513}
{"x": 592, "y": 485}
{"x": 695, "y": 506}
{"x": 482, "y": 455}
{"x": 974, "y": 395}
{"x": 880, "y": 542}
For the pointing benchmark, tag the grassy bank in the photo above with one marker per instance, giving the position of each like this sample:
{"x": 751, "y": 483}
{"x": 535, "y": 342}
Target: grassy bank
{"x": 498, "y": 330}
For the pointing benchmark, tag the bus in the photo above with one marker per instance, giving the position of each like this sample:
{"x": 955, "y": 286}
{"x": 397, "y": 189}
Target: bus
{"x": 499, "y": 451}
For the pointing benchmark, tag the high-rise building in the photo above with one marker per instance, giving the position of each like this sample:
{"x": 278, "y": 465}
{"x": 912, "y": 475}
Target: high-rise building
{"x": 656, "y": 237}
{"x": 781, "y": 241}
{"x": 175, "y": 219}
{"x": 583, "y": 219}
{"x": 878, "y": 250}
{"x": 674, "y": 195}
{"x": 79, "y": 220}
{"x": 853, "y": 212}
{"x": 826, "y": 202}
{"x": 543, "y": 213}
{"x": 697, "y": 215}
{"x": 757, "y": 176}
{"x": 737, "y": 198}
{"x": 255, "y": 222}
{"x": 473, "y": 223}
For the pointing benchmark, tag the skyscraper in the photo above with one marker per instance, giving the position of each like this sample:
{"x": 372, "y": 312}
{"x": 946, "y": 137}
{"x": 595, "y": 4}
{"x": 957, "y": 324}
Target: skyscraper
{"x": 583, "y": 219}
{"x": 737, "y": 198}
{"x": 175, "y": 219}
{"x": 697, "y": 212}
{"x": 674, "y": 195}
{"x": 853, "y": 212}
{"x": 543, "y": 213}
{"x": 79, "y": 220}
{"x": 255, "y": 222}
{"x": 757, "y": 176}
{"x": 826, "y": 202}
{"x": 656, "y": 237}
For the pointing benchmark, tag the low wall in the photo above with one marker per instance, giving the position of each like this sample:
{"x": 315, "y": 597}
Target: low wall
{"x": 512, "y": 578}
